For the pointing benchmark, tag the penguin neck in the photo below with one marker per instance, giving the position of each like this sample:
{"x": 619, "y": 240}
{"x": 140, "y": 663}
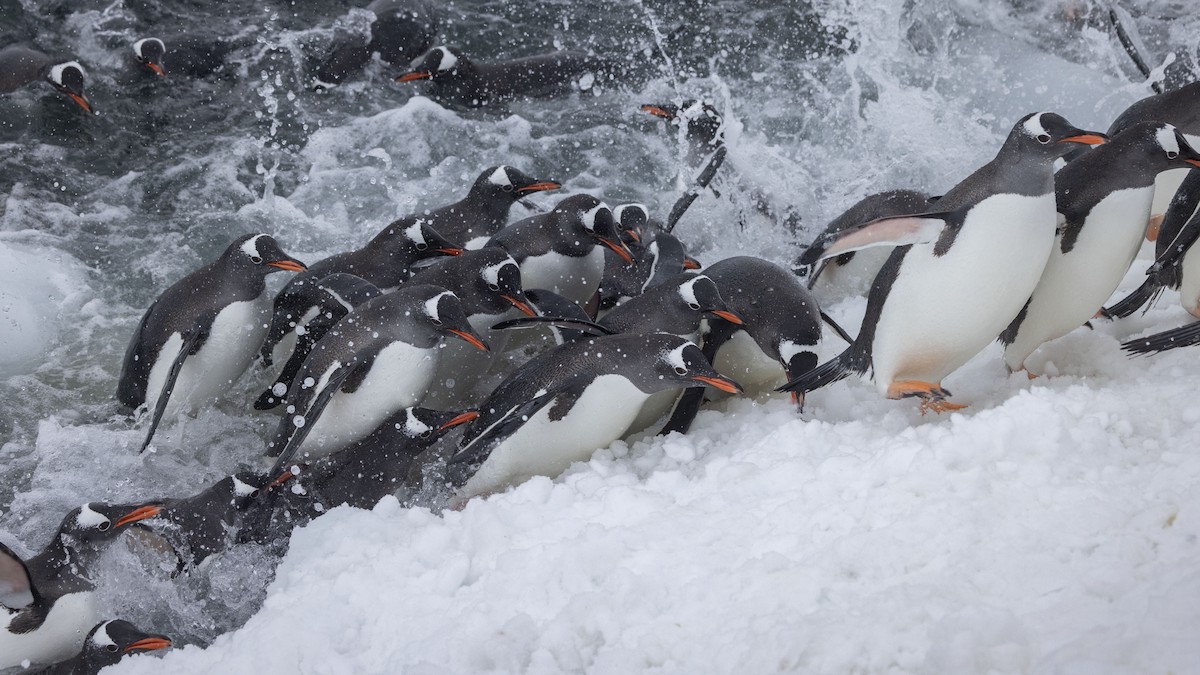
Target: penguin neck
{"x": 1115, "y": 165}
{"x": 493, "y": 212}
{"x": 1021, "y": 173}
{"x": 59, "y": 567}
{"x": 245, "y": 285}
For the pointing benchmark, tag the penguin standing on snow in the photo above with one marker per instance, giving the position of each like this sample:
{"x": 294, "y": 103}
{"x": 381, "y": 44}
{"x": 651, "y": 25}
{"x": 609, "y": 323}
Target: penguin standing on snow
{"x": 563, "y": 405}
{"x": 378, "y": 359}
{"x": 21, "y": 66}
{"x": 958, "y": 276}
{"x": 48, "y": 603}
{"x": 202, "y": 332}
{"x": 106, "y": 644}
{"x": 1104, "y": 199}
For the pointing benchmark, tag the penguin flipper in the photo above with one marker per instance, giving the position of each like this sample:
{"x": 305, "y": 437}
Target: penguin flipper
{"x": 312, "y": 413}
{"x": 192, "y": 341}
{"x": 274, "y": 395}
{"x": 16, "y": 585}
{"x": 1134, "y": 301}
{"x": 921, "y": 228}
{"x": 587, "y": 327}
{"x": 702, "y": 180}
{"x": 476, "y": 448}
{"x": 827, "y": 373}
{"x": 135, "y": 372}
{"x": 1184, "y": 336}
{"x": 836, "y": 328}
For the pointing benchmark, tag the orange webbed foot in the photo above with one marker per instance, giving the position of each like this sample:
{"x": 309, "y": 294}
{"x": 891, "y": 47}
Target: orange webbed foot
{"x": 933, "y": 396}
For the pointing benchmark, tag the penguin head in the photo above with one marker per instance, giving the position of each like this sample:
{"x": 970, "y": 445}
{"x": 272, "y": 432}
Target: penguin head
{"x": 444, "y": 312}
{"x": 260, "y": 254}
{"x": 1050, "y": 135}
{"x": 703, "y": 122}
{"x": 679, "y": 363}
{"x": 499, "y": 282}
{"x": 109, "y": 641}
{"x": 632, "y": 220}
{"x": 506, "y": 185}
{"x": 1173, "y": 146}
{"x": 419, "y": 241}
{"x": 422, "y": 427}
{"x": 700, "y": 293}
{"x": 596, "y": 221}
{"x": 437, "y": 63}
{"x": 99, "y": 522}
{"x": 68, "y": 78}
{"x": 149, "y": 54}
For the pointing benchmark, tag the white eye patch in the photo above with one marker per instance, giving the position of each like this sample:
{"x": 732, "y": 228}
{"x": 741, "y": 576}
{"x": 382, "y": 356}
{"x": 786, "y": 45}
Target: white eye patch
{"x": 414, "y": 426}
{"x": 1167, "y": 139}
{"x": 431, "y": 305}
{"x": 500, "y": 177}
{"x": 250, "y": 246}
{"x": 1033, "y": 126}
{"x": 449, "y": 60}
{"x": 56, "y": 73}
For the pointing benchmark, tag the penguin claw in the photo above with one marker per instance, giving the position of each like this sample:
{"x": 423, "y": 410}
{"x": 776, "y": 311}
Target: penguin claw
{"x": 939, "y": 406}
{"x": 933, "y": 396}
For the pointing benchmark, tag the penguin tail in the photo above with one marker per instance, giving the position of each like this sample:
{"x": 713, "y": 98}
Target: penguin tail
{"x": 1184, "y": 336}
{"x": 1144, "y": 295}
{"x": 827, "y": 373}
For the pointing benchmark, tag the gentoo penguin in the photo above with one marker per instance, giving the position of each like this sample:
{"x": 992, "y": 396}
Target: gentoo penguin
{"x": 194, "y": 55}
{"x": 484, "y": 211}
{"x": 202, "y": 332}
{"x": 21, "y": 66}
{"x": 334, "y": 297}
{"x": 852, "y": 273}
{"x": 378, "y": 359}
{"x": 457, "y": 79}
{"x": 560, "y": 250}
{"x": 1104, "y": 199}
{"x": 385, "y": 262}
{"x": 47, "y": 603}
{"x": 563, "y": 405}
{"x": 958, "y": 276}
{"x": 657, "y": 257}
{"x": 776, "y": 340}
{"x": 106, "y": 644}
{"x": 148, "y": 53}
{"x": 702, "y": 125}
{"x": 400, "y": 31}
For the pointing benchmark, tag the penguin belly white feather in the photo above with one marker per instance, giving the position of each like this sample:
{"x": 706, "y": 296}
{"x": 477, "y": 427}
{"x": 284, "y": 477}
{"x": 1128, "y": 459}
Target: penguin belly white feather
{"x": 573, "y": 278}
{"x": 59, "y": 637}
{"x": 399, "y": 377}
{"x": 853, "y": 279}
{"x": 1075, "y": 285}
{"x": 942, "y": 310}
{"x": 233, "y": 341}
{"x": 1189, "y": 285}
{"x": 745, "y": 362}
{"x": 545, "y": 447}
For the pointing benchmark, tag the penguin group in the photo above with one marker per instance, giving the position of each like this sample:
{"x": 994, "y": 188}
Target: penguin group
{"x": 467, "y": 350}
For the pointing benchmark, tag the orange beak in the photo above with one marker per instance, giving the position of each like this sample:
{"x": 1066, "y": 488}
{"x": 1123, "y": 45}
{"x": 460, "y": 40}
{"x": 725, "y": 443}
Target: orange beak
{"x": 414, "y": 76}
{"x": 619, "y": 249}
{"x": 723, "y": 383}
{"x": 281, "y": 479}
{"x": 148, "y": 644}
{"x": 520, "y": 305}
{"x": 81, "y": 102}
{"x": 289, "y": 265}
{"x": 690, "y": 263}
{"x": 158, "y": 70}
{"x": 460, "y": 419}
{"x": 138, "y": 514}
{"x": 470, "y": 339}
{"x": 1086, "y": 139}
{"x": 1193, "y": 162}
{"x": 657, "y": 112}
{"x": 539, "y": 187}
{"x": 727, "y": 315}
{"x": 449, "y": 251}
{"x": 633, "y": 234}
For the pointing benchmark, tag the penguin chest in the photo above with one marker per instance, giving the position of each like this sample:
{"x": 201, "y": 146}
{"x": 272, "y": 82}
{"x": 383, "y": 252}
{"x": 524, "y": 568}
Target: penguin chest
{"x": 546, "y": 447}
{"x": 398, "y": 377}
{"x": 943, "y": 309}
{"x": 234, "y": 338}
{"x": 743, "y": 360}
{"x": 59, "y": 637}
{"x": 1074, "y": 285}
{"x": 573, "y": 278}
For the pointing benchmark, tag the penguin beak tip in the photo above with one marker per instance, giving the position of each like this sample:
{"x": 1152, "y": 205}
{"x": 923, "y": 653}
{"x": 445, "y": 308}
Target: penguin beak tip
{"x": 462, "y": 418}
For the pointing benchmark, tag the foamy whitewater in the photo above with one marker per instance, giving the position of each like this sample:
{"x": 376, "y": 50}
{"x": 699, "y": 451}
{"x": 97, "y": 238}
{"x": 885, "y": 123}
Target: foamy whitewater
{"x": 1052, "y": 526}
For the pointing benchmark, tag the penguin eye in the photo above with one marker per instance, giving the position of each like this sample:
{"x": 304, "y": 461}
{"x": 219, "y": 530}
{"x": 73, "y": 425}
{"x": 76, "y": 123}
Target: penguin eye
{"x": 680, "y": 370}
{"x": 103, "y": 527}
{"x": 427, "y": 433}
{"x": 507, "y": 188}
{"x": 110, "y": 648}
{"x": 256, "y": 260}
{"x": 1043, "y": 138}
{"x": 421, "y": 246}
{"x": 693, "y": 305}
{"x": 436, "y": 321}
{"x": 494, "y": 287}
{"x": 1172, "y": 154}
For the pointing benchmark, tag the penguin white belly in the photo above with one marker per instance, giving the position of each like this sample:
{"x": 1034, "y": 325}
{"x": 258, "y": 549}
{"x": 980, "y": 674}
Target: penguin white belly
{"x": 1075, "y": 285}
{"x": 573, "y": 278}
{"x": 233, "y": 340}
{"x": 942, "y": 310}
{"x": 1189, "y": 285}
{"x": 852, "y": 279}
{"x": 545, "y": 447}
{"x": 1167, "y": 182}
{"x": 59, "y": 637}
{"x": 745, "y": 362}
{"x": 399, "y": 377}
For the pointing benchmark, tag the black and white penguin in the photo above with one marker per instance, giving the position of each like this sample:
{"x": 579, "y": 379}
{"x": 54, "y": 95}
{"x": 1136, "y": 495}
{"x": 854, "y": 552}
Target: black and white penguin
{"x": 202, "y": 333}
{"x": 48, "y": 603}
{"x": 1104, "y": 199}
{"x": 484, "y": 211}
{"x": 560, "y": 250}
{"x": 148, "y": 53}
{"x": 958, "y": 276}
{"x": 106, "y": 644}
{"x": 193, "y": 55}
{"x": 21, "y": 66}
{"x": 400, "y": 31}
{"x": 851, "y": 273}
{"x": 378, "y": 359}
{"x": 702, "y": 125}
{"x": 563, "y": 405}
{"x": 334, "y": 297}
{"x": 457, "y": 79}
{"x": 657, "y": 257}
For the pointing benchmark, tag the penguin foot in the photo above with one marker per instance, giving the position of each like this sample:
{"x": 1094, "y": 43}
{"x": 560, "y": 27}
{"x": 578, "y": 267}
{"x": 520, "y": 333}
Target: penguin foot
{"x": 1153, "y": 226}
{"x": 939, "y": 406}
{"x": 933, "y": 396}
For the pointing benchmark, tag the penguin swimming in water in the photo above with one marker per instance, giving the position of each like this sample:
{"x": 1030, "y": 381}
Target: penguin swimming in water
{"x": 21, "y": 66}
{"x": 958, "y": 276}
{"x": 560, "y": 250}
{"x": 851, "y": 273}
{"x": 455, "y": 78}
{"x": 1104, "y": 199}
{"x": 106, "y": 644}
{"x": 202, "y": 333}
{"x": 702, "y": 124}
{"x": 378, "y": 359}
{"x": 484, "y": 211}
{"x": 400, "y": 31}
{"x": 563, "y": 405}
{"x": 193, "y": 56}
{"x": 47, "y": 603}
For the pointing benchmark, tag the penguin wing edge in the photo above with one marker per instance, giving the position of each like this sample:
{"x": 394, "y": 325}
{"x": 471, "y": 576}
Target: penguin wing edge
{"x": 893, "y": 232}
